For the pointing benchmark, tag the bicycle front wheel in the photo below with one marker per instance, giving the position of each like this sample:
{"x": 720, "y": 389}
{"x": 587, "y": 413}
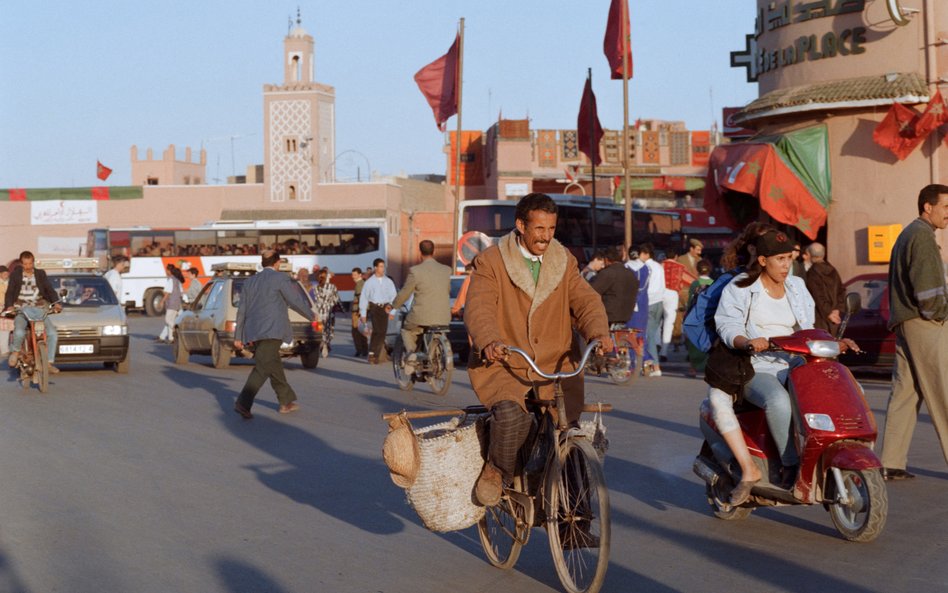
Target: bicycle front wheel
{"x": 42, "y": 367}
{"x": 577, "y": 518}
{"x": 503, "y": 531}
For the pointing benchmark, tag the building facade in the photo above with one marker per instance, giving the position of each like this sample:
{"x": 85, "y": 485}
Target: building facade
{"x": 833, "y": 71}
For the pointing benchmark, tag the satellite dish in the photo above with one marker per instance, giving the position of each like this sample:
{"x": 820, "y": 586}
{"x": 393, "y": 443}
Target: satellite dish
{"x": 900, "y": 16}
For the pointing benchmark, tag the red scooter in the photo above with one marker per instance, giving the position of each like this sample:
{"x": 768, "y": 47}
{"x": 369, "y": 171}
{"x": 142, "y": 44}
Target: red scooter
{"x": 834, "y": 432}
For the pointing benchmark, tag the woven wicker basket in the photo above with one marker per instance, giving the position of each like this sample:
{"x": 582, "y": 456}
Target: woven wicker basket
{"x": 451, "y": 460}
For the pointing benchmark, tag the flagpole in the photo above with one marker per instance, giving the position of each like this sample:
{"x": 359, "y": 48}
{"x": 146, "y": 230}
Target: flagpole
{"x": 627, "y": 192}
{"x": 457, "y": 143}
{"x": 593, "y": 153}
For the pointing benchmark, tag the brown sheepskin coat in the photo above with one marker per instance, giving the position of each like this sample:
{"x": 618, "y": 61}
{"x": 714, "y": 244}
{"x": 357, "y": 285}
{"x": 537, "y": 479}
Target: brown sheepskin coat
{"x": 504, "y": 304}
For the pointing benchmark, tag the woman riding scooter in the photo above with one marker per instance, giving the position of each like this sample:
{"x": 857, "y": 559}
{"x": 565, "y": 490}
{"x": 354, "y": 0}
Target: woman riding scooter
{"x": 761, "y": 303}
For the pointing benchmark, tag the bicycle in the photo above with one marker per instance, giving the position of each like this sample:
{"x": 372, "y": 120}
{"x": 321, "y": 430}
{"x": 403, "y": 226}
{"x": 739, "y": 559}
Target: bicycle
{"x": 622, "y": 364}
{"x": 559, "y": 484}
{"x": 33, "y": 359}
{"x": 432, "y": 361}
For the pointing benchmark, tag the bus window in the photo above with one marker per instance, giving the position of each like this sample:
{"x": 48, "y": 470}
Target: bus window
{"x": 195, "y": 242}
{"x": 284, "y": 242}
{"x": 359, "y": 241}
{"x": 492, "y": 220}
{"x": 326, "y": 241}
{"x": 157, "y": 243}
{"x": 243, "y": 242}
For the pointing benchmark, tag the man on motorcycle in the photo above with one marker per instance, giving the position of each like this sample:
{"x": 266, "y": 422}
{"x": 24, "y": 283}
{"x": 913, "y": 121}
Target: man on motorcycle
{"x": 527, "y": 292}
{"x": 30, "y": 290}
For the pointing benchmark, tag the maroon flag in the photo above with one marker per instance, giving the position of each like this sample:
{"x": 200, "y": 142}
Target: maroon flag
{"x": 101, "y": 171}
{"x": 587, "y": 125}
{"x": 438, "y": 82}
{"x": 612, "y": 44}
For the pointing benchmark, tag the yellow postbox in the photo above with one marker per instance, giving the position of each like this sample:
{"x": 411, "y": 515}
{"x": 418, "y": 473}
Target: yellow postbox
{"x": 881, "y": 239}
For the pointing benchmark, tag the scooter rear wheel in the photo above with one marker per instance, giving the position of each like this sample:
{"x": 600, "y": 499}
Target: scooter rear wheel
{"x": 864, "y": 517}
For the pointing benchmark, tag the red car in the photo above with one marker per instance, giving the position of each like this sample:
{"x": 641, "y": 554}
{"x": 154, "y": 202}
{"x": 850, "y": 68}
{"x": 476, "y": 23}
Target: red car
{"x": 868, "y": 326}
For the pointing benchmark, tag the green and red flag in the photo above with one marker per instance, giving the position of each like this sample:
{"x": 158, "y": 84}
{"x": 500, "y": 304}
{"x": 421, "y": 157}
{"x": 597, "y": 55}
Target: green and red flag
{"x": 788, "y": 174}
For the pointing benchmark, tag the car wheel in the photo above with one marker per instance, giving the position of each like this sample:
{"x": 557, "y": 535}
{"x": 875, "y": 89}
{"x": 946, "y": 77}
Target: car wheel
{"x": 310, "y": 358}
{"x": 181, "y": 354}
{"x": 220, "y": 354}
{"x": 153, "y": 304}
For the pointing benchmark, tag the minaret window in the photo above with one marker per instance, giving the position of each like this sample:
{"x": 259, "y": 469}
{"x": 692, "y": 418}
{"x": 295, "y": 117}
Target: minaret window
{"x": 291, "y": 145}
{"x": 297, "y": 69}
{"x": 291, "y": 192}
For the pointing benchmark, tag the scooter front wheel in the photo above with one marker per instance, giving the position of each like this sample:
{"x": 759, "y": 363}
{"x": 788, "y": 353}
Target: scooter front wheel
{"x": 718, "y": 496}
{"x": 863, "y": 516}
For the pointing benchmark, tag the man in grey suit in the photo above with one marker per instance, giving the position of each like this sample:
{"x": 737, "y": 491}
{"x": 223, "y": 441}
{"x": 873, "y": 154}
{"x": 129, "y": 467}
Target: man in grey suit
{"x": 430, "y": 282}
{"x": 263, "y": 320}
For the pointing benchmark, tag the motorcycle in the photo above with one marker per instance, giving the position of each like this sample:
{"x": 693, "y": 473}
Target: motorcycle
{"x": 833, "y": 429}
{"x": 33, "y": 360}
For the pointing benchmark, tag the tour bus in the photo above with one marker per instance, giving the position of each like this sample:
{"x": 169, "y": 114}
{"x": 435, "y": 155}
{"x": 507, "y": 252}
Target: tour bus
{"x": 338, "y": 244}
{"x": 483, "y": 222}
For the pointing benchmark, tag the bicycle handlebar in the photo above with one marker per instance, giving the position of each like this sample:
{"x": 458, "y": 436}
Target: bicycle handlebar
{"x": 556, "y": 376}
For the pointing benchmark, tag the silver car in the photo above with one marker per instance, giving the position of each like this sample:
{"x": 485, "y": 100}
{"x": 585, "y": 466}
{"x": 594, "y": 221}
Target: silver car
{"x": 92, "y": 326}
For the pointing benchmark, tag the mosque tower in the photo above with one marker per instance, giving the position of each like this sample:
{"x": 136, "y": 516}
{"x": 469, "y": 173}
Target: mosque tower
{"x": 299, "y": 125}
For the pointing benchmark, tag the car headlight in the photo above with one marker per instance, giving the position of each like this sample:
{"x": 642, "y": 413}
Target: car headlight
{"x": 115, "y": 330}
{"x": 820, "y": 422}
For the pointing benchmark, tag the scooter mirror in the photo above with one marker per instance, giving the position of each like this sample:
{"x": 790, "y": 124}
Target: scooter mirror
{"x": 853, "y": 303}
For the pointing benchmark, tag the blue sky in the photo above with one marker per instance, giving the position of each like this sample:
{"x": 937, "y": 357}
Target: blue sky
{"x": 86, "y": 80}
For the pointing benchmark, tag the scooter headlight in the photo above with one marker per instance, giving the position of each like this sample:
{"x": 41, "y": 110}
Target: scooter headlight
{"x": 824, "y": 348}
{"x": 820, "y": 422}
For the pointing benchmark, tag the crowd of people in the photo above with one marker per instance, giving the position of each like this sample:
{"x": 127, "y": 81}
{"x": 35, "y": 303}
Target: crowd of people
{"x": 339, "y": 245}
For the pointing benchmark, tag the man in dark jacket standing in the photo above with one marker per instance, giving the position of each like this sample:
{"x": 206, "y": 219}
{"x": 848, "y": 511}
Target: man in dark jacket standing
{"x": 263, "y": 320}
{"x": 618, "y": 286}
{"x": 918, "y": 307}
{"x": 826, "y": 288}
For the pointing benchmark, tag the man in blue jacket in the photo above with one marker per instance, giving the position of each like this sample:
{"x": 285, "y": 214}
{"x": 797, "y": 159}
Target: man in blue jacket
{"x": 263, "y": 320}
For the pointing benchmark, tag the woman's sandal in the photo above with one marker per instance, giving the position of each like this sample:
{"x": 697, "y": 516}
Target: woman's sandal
{"x": 742, "y": 492}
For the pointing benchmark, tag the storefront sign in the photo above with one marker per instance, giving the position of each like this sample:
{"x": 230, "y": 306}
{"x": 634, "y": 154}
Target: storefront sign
{"x": 64, "y": 212}
{"x": 758, "y": 59}
{"x": 516, "y": 189}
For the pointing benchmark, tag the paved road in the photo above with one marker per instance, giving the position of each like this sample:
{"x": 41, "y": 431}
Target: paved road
{"x": 151, "y": 483}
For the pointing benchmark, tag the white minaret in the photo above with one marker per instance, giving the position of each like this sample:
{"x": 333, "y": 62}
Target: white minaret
{"x": 299, "y": 125}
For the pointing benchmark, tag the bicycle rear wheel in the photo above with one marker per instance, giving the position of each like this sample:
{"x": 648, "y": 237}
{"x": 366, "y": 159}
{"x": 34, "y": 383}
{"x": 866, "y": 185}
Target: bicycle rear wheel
{"x": 442, "y": 364}
{"x": 42, "y": 367}
{"x": 503, "y": 531}
{"x": 577, "y": 519}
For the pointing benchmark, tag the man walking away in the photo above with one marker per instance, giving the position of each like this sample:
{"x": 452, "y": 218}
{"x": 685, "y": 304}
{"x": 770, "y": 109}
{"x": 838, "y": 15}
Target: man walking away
{"x": 918, "y": 302}
{"x": 378, "y": 292}
{"x": 826, "y": 288}
{"x": 618, "y": 286}
{"x": 263, "y": 320}
{"x": 358, "y": 339}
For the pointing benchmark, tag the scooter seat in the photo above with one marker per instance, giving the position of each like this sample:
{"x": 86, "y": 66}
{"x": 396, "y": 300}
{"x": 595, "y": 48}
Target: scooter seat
{"x": 745, "y": 406}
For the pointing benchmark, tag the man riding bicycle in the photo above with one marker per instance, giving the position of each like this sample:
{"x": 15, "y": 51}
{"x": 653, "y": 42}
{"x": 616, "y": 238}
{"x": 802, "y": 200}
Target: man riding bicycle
{"x": 526, "y": 291}
{"x": 430, "y": 283}
{"x": 30, "y": 290}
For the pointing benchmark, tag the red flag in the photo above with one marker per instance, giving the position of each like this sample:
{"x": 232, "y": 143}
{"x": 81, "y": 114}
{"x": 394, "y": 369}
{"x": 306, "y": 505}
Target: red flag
{"x": 101, "y": 171}
{"x": 438, "y": 83}
{"x": 587, "y": 125}
{"x": 903, "y": 129}
{"x": 617, "y": 24}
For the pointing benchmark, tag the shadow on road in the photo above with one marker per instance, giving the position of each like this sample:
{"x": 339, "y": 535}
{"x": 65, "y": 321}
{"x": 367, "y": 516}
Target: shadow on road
{"x": 309, "y": 470}
{"x": 772, "y": 568}
{"x": 9, "y": 579}
{"x": 239, "y": 577}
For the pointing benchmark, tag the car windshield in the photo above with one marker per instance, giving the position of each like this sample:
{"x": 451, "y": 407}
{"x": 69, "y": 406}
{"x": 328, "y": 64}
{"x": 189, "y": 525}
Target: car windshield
{"x": 83, "y": 291}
